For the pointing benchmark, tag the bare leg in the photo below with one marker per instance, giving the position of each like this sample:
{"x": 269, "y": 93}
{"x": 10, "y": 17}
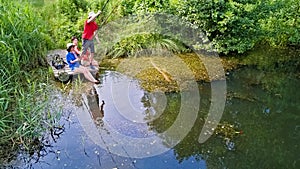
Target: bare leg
{"x": 87, "y": 74}
{"x": 95, "y": 63}
{"x": 91, "y": 58}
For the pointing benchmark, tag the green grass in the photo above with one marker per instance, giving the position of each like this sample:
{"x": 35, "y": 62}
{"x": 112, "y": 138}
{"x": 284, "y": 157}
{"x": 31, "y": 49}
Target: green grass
{"x": 23, "y": 87}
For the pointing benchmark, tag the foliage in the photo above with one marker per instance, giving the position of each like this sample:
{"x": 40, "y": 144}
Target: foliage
{"x": 132, "y": 7}
{"x": 283, "y": 25}
{"x": 238, "y": 25}
{"x": 72, "y": 9}
{"x": 230, "y": 25}
{"x": 141, "y": 12}
{"x": 144, "y": 10}
{"x": 23, "y": 97}
{"x": 132, "y": 45}
{"x": 23, "y": 36}
{"x": 65, "y": 20}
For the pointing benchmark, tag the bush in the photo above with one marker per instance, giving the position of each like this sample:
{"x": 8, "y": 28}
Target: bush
{"x": 145, "y": 43}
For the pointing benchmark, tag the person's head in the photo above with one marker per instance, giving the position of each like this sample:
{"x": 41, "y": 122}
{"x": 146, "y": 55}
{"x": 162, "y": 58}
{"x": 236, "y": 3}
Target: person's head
{"x": 91, "y": 14}
{"x": 70, "y": 47}
{"x": 74, "y": 40}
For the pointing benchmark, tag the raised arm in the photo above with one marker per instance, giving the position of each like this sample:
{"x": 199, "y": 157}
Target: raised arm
{"x": 93, "y": 17}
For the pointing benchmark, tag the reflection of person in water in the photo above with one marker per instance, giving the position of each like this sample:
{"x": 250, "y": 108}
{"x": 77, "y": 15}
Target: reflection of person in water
{"x": 93, "y": 105}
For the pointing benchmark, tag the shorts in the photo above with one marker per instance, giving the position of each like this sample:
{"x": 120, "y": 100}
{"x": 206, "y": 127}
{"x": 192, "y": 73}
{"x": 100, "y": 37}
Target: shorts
{"x": 76, "y": 65}
{"x": 88, "y": 44}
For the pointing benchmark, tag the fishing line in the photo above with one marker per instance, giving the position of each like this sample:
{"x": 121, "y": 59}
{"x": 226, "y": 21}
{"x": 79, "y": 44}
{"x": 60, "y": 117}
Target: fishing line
{"x": 130, "y": 158}
{"x": 102, "y": 23}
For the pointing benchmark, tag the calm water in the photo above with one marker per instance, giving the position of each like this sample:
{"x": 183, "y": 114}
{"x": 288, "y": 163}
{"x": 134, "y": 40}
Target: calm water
{"x": 132, "y": 131}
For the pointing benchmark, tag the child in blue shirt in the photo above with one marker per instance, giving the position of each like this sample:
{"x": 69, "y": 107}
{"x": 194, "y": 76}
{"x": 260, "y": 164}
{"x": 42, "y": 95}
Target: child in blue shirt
{"x": 74, "y": 65}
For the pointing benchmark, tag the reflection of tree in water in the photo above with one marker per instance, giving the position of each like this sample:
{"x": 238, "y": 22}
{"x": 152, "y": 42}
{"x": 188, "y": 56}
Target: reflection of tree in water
{"x": 161, "y": 122}
{"x": 185, "y": 148}
{"x": 270, "y": 123}
{"x": 189, "y": 146}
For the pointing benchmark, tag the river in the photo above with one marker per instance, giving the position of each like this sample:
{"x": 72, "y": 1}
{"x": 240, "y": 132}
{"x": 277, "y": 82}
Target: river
{"x": 130, "y": 132}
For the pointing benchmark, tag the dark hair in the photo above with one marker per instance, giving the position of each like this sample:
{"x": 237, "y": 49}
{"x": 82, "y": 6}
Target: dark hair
{"x": 69, "y": 49}
{"x": 73, "y": 38}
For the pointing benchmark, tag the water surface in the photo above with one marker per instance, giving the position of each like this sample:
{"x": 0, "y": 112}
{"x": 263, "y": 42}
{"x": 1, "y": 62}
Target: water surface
{"x": 112, "y": 138}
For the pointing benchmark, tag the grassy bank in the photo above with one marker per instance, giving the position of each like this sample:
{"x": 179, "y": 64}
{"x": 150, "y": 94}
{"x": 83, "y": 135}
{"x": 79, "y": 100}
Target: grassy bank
{"x": 23, "y": 82}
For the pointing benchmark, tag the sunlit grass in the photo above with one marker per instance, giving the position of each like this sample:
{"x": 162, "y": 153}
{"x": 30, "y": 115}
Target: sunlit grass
{"x": 24, "y": 89}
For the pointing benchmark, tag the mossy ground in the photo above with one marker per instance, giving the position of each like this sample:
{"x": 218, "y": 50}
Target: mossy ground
{"x": 167, "y": 73}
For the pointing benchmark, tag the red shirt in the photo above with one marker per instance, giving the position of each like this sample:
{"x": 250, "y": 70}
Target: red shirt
{"x": 89, "y": 29}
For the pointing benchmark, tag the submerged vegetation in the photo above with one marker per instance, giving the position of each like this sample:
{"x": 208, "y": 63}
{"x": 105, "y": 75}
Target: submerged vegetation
{"x": 166, "y": 73}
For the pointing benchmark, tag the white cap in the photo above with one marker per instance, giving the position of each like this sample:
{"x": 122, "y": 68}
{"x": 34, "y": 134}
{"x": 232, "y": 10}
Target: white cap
{"x": 91, "y": 14}
{"x": 69, "y": 45}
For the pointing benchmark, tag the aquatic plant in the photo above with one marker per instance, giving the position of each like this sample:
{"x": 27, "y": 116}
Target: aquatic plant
{"x": 227, "y": 131}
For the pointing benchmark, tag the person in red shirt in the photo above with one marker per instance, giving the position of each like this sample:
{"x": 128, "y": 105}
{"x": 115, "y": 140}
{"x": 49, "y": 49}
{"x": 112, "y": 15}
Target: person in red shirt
{"x": 90, "y": 27}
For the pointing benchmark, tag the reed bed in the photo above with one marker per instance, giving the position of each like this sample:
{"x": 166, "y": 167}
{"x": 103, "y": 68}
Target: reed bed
{"x": 23, "y": 88}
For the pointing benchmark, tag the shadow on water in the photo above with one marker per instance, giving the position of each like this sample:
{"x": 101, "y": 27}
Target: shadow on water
{"x": 97, "y": 129}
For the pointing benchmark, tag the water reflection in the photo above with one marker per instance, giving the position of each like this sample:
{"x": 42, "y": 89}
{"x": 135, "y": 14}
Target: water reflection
{"x": 269, "y": 120}
{"x": 126, "y": 129}
{"x": 91, "y": 103}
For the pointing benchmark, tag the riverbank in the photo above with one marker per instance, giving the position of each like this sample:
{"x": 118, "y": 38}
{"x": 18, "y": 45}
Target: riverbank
{"x": 164, "y": 73}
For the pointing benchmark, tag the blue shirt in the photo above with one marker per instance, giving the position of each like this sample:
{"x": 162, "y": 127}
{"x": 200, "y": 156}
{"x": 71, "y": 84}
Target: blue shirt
{"x": 70, "y": 57}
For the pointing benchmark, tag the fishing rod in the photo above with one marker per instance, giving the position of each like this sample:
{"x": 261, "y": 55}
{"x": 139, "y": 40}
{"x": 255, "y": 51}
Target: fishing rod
{"x": 109, "y": 15}
{"x": 103, "y": 22}
{"x": 104, "y": 5}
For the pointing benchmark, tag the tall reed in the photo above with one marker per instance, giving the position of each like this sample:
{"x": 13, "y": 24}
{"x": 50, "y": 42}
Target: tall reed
{"x": 23, "y": 35}
{"x": 23, "y": 91}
